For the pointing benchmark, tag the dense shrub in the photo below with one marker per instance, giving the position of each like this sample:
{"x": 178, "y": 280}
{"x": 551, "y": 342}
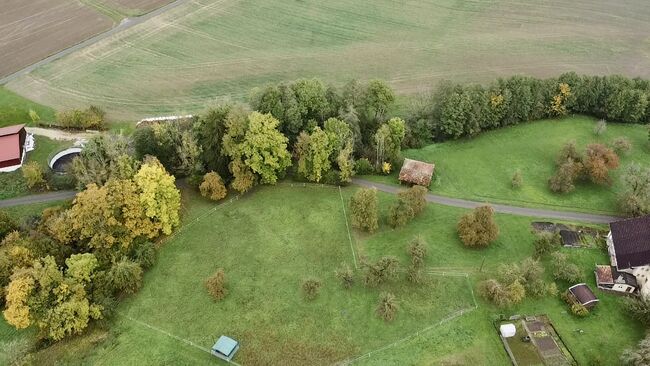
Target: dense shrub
{"x": 546, "y": 242}
{"x": 502, "y": 295}
{"x": 387, "y": 306}
{"x": 363, "y": 167}
{"x": 216, "y": 285}
{"x": 91, "y": 118}
{"x": 622, "y": 145}
{"x": 212, "y": 187}
{"x": 639, "y": 309}
{"x": 34, "y": 176}
{"x": 384, "y": 270}
{"x": 565, "y": 270}
{"x": 7, "y": 225}
{"x": 311, "y": 288}
{"x": 125, "y": 276}
{"x": 478, "y": 228}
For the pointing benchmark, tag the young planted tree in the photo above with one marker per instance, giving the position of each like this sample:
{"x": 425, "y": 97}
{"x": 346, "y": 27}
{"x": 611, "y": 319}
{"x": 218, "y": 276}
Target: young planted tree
{"x": 546, "y": 242}
{"x": 600, "y": 128}
{"x": 565, "y": 270}
{"x": 311, "y": 288}
{"x": 387, "y": 307}
{"x": 478, "y": 228}
{"x": 364, "y": 210}
{"x": 622, "y": 145}
{"x": 346, "y": 275}
{"x": 410, "y": 203}
{"x": 417, "y": 250}
{"x": 216, "y": 285}
{"x": 212, "y": 187}
{"x": 517, "y": 180}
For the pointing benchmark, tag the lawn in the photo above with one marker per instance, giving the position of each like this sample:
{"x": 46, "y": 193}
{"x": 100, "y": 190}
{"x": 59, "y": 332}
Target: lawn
{"x": 13, "y": 184}
{"x": 14, "y": 109}
{"x": 268, "y": 241}
{"x": 204, "y": 50}
{"x": 481, "y": 168}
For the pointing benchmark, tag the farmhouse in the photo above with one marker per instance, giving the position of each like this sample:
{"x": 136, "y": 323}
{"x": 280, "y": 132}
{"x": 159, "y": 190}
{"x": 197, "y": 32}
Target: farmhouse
{"x": 628, "y": 245}
{"x": 14, "y": 144}
{"x": 416, "y": 172}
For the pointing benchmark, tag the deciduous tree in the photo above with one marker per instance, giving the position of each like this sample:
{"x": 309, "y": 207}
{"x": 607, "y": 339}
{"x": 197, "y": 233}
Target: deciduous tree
{"x": 364, "y": 210}
{"x": 212, "y": 187}
{"x": 478, "y": 228}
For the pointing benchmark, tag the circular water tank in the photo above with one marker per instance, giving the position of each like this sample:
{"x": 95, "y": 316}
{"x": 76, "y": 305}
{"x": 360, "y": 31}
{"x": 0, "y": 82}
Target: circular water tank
{"x": 63, "y": 158}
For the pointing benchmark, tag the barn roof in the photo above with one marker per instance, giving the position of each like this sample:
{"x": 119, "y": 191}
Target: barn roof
{"x": 416, "y": 172}
{"x": 583, "y": 294}
{"x": 10, "y": 148}
{"x": 11, "y": 130}
{"x": 631, "y": 240}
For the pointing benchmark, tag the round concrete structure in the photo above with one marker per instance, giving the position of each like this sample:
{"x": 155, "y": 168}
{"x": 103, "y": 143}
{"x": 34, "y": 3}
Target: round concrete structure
{"x": 63, "y": 158}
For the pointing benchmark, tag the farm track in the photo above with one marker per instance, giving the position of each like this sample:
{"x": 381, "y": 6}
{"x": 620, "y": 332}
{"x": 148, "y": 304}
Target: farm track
{"x": 505, "y": 209}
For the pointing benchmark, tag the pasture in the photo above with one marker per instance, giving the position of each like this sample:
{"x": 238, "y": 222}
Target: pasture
{"x": 32, "y": 30}
{"x": 268, "y": 240}
{"x": 206, "y": 50}
{"x": 481, "y": 168}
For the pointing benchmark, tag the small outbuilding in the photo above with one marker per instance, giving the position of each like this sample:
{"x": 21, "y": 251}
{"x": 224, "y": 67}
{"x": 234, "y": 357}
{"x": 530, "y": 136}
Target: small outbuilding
{"x": 225, "y": 348}
{"x": 583, "y": 295}
{"x": 416, "y": 172}
{"x": 508, "y": 330}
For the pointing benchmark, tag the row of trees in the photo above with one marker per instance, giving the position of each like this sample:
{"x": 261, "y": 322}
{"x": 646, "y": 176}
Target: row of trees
{"x": 457, "y": 110}
{"x": 73, "y": 263}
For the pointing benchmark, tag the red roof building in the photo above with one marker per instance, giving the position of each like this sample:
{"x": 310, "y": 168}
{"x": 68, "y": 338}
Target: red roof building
{"x": 12, "y": 147}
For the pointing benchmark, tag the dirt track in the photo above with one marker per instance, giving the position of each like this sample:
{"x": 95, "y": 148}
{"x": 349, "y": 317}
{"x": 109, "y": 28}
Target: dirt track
{"x": 139, "y": 6}
{"x": 32, "y": 30}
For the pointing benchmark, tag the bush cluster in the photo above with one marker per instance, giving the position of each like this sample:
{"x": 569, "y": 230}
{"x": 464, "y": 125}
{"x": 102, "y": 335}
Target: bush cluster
{"x": 91, "y": 118}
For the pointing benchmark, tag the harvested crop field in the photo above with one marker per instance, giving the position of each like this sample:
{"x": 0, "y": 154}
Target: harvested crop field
{"x": 206, "y": 49}
{"x": 32, "y": 30}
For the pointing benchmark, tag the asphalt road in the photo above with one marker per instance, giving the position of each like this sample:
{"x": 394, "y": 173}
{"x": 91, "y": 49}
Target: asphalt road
{"x": 38, "y": 198}
{"x": 125, "y": 24}
{"x": 512, "y": 210}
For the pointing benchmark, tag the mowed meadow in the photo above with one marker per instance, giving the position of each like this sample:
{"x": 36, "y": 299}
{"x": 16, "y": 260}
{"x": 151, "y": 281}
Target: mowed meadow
{"x": 206, "y": 50}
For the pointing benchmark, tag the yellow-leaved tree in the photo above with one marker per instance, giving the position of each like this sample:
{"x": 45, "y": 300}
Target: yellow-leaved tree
{"x": 159, "y": 197}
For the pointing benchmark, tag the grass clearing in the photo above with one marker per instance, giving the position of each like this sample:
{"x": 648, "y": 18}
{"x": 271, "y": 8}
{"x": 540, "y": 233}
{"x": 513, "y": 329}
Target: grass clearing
{"x": 267, "y": 242}
{"x": 481, "y": 168}
{"x": 214, "y": 49}
{"x": 14, "y": 109}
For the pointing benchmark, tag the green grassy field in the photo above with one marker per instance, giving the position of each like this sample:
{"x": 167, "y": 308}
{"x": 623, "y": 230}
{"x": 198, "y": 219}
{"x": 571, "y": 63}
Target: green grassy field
{"x": 481, "y": 168}
{"x": 14, "y": 109}
{"x": 214, "y": 49}
{"x": 268, "y": 241}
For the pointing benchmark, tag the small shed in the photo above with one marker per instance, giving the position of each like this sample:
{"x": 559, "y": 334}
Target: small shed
{"x": 508, "y": 330}
{"x": 225, "y": 348}
{"x": 416, "y": 172}
{"x": 583, "y": 294}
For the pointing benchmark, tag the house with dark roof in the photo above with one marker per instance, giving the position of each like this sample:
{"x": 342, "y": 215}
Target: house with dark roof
{"x": 628, "y": 245}
{"x": 14, "y": 144}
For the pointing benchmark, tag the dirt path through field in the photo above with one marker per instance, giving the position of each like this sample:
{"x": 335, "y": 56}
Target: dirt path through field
{"x": 55, "y": 134}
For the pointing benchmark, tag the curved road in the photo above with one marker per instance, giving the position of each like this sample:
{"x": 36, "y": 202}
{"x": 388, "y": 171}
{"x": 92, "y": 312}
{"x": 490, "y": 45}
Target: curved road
{"x": 506, "y": 209}
{"x": 447, "y": 201}
{"x": 125, "y": 24}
